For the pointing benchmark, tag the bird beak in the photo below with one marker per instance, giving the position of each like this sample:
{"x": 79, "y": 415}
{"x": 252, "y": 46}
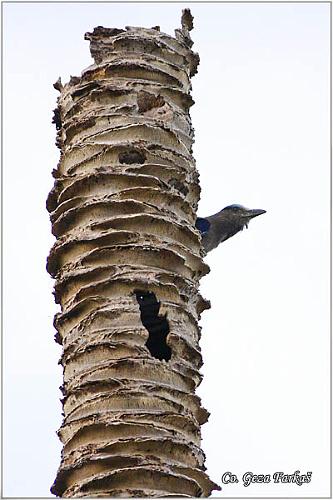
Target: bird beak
{"x": 254, "y": 213}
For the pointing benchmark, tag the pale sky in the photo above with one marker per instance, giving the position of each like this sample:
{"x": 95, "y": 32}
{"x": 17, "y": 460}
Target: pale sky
{"x": 261, "y": 118}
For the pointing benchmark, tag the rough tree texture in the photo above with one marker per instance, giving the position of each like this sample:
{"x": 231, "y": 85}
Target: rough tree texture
{"x": 123, "y": 209}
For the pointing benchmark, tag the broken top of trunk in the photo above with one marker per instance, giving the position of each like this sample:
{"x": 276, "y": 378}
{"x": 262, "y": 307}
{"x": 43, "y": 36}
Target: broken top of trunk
{"x": 146, "y": 43}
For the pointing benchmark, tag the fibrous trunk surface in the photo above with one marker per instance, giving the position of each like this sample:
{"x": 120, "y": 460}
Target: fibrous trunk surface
{"x": 127, "y": 264}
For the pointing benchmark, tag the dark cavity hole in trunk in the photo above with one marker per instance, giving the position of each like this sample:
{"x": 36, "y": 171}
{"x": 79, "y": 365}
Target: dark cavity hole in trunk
{"x": 132, "y": 156}
{"x": 156, "y": 324}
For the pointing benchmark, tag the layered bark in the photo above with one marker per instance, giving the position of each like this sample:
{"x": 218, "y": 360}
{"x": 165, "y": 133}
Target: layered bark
{"x": 127, "y": 264}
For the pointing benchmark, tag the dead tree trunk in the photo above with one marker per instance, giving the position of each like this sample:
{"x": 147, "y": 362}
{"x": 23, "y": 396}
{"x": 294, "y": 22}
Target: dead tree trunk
{"x": 127, "y": 264}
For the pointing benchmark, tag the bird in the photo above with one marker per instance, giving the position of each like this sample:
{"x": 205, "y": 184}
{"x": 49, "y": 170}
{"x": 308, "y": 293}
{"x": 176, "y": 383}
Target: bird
{"x": 219, "y": 227}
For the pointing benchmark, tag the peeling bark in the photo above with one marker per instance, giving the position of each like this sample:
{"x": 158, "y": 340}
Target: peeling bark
{"x": 127, "y": 263}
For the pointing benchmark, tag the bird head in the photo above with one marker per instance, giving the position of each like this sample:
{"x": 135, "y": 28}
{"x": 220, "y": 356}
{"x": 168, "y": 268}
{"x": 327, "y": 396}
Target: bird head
{"x": 241, "y": 215}
{"x": 219, "y": 227}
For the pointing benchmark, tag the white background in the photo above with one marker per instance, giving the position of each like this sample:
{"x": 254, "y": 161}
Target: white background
{"x": 262, "y": 139}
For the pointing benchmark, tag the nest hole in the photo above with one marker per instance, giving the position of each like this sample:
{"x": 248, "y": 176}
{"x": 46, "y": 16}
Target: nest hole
{"x": 156, "y": 324}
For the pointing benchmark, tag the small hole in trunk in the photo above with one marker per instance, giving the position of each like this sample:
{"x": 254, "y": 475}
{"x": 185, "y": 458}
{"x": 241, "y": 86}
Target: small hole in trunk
{"x": 132, "y": 156}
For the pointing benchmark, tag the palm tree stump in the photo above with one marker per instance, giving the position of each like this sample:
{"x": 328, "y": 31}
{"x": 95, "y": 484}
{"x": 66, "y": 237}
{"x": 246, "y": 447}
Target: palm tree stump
{"x": 127, "y": 263}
